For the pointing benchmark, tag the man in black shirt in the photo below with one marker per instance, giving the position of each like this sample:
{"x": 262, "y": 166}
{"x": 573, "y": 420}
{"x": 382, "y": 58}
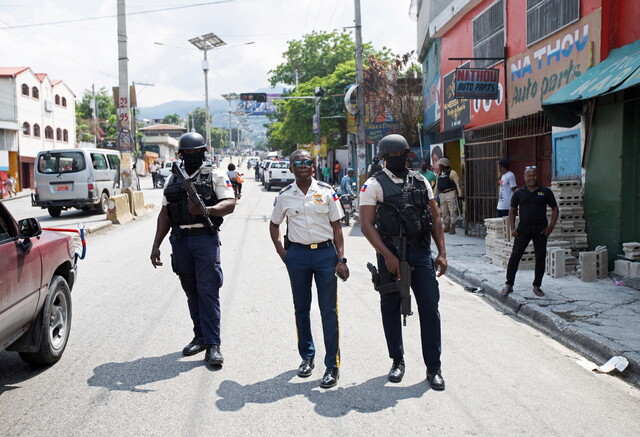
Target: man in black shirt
{"x": 532, "y": 199}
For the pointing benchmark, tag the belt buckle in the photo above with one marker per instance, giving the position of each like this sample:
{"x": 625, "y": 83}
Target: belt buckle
{"x": 313, "y": 246}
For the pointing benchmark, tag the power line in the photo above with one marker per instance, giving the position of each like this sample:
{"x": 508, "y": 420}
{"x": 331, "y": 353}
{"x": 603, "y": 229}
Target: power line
{"x": 77, "y": 20}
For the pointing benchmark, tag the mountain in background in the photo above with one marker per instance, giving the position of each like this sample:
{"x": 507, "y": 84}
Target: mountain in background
{"x": 219, "y": 108}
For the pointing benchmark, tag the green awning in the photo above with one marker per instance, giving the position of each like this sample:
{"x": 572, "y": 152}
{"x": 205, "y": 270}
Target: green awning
{"x": 620, "y": 70}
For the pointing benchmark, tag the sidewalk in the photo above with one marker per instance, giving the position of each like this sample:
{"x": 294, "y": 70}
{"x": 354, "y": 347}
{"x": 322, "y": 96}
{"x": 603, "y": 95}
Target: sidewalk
{"x": 597, "y": 319}
{"x": 24, "y": 193}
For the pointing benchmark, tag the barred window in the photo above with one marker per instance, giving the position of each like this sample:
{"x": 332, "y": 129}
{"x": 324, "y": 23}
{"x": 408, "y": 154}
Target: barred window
{"x": 545, "y": 17}
{"x": 488, "y": 35}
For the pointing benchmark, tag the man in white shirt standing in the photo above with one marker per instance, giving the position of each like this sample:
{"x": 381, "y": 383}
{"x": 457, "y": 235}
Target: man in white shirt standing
{"x": 313, "y": 249}
{"x": 507, "y": 187}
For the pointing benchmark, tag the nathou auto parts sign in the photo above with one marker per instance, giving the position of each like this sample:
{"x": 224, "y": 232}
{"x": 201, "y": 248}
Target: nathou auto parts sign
{"x": 477, "y": 83}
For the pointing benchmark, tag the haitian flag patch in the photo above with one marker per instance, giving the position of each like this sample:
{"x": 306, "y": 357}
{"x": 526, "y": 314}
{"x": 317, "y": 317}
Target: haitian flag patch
{"x": 228, "y": 183}
{"x": 335, "y": 196}
{"x": 364, "y": 188}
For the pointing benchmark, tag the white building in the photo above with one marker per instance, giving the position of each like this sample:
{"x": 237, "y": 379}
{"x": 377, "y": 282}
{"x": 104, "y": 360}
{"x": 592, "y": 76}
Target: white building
{"x": 36, "y": 113}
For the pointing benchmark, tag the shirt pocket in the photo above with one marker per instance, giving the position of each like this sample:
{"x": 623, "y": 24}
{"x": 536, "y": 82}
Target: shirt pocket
{"x": 321, "y": 208}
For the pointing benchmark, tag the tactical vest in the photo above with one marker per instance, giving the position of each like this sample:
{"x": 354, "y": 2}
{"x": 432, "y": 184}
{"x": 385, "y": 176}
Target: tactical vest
{"x": 445, "y": 182}
{"x": 405, "y": 208}
{"x": 178, "y": 206}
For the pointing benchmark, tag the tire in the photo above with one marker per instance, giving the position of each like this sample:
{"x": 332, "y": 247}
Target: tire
{"x": 267, "y": 186}
{"x": 54, "y": 211}
{"x": 103, "y": 206}
{"x": 56, "y": 324}
{"x": 346, "y": 218}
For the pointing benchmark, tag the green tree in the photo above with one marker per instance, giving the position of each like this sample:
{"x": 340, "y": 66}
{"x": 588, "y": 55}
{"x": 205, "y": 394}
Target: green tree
{"x": 173, "y": 119}
{"x": 107, "y": 121}
{"x": 219, "y": 137}
{"x": 198, "y": 118}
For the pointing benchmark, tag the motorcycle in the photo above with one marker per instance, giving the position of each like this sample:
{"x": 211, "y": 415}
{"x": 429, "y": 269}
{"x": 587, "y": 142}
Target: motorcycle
{"x": 346, "y": 200}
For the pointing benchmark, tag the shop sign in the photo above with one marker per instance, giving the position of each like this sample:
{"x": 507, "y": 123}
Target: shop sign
{"x": 456, "y": 112}
{"x": 552, "y": 63}
{"x": 431, "y": 99}
{"x": 477, "y": 83}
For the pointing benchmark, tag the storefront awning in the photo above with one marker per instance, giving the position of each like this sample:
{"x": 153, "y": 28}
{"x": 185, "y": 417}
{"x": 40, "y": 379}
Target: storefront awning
{"x": 620, "y": 70}
{"x": 9, "y": 125}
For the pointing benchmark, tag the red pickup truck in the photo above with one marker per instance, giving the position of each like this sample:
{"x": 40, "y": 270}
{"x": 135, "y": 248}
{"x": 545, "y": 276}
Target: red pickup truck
{"x": 37, "y": 272}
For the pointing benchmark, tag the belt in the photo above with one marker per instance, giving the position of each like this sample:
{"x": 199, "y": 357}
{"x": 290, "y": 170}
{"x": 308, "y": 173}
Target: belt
{"x": 314, "y": 245}
{"x": 195, "y": 231}
{"x": 449, "y": 190}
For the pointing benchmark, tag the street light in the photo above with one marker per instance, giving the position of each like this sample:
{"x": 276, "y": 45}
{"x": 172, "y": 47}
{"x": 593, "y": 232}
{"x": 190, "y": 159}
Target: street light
{"x": 229, "y": 97}
{"x": 205, "y": 43}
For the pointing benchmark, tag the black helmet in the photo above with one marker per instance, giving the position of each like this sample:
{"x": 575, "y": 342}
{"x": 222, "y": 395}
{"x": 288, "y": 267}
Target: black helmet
{"x": 392, "y": 143}
{"x": 190, "y": 141}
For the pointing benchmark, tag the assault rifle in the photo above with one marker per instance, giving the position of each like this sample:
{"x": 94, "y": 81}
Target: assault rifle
{"x": 191, "y": 192}
{"x": 404, "y": 281}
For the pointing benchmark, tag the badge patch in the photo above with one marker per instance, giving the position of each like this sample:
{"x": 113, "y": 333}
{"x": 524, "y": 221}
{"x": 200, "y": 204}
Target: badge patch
{"x": 228, "y": 183}
{"x": 364, "y": 188}
{"x": 335, "y": 196}
{"x": 317, "y": 199}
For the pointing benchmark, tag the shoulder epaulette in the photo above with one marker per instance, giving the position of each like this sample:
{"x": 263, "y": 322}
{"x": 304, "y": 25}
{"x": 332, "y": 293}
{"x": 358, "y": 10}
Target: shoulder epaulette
{"x": 285, "y": 189}
{"x": 324, "y": 184}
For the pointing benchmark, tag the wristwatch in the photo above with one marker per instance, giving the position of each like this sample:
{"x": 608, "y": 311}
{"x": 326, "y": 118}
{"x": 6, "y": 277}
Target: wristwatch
{"x": 342, "y": 260}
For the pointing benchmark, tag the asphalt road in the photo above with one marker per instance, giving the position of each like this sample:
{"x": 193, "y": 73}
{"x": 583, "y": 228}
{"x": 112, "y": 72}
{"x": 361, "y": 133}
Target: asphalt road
{"x": 123, "y": 372}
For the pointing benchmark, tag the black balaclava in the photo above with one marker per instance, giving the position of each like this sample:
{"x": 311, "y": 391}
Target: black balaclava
{"x": 398, "y": 165}
{"x": 193, "y": 161}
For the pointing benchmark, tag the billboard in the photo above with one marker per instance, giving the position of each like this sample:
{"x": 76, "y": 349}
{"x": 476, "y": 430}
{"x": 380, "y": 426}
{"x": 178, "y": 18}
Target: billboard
{"x": 477, "y": 83}
{"x": 254, "y": 107}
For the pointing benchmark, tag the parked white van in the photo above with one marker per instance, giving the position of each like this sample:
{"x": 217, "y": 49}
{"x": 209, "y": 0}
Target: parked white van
{"x": 76, "y": 178}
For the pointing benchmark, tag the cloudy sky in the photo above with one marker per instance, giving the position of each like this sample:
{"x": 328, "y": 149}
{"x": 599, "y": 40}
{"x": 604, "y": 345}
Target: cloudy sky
{"x": 85, "y": 51}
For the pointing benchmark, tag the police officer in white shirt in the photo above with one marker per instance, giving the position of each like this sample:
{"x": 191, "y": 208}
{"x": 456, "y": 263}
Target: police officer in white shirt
{"x": 313, "y": 249}
{"x": 394, "y": 202}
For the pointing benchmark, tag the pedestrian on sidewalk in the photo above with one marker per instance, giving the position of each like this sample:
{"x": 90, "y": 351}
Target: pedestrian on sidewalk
{"x": 195, "y": 244}
{"x": 507, "y": 185}
{"x": 374, "y": 167}
{"x": 313, "y": 249}
{"x": 11, "y": 181}
{"x": 153, "y": 169}
{"x": 394, "y": 201}
{"x": 336, "y": 173}
{"x": 326, "y": 173}
{"x": 425, "y": 171}
{"x": 449, "y": 189}
{"x": 531, "y": 202}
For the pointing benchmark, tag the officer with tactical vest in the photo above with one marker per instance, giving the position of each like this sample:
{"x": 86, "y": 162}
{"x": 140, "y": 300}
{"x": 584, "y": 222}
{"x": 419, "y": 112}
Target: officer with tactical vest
{"x": 398, "y": 215}
{"x": 195, "y": 242}
{"x": 449, "y": 190}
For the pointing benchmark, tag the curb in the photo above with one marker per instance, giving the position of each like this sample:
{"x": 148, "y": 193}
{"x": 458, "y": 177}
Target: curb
{"x": 592, "y": 348}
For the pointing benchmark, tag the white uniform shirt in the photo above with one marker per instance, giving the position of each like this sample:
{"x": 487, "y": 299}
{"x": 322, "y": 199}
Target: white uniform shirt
{"x": 309, "y": 216}
{"x": 371, "y": 192}
{"x": 507, "y": 183}
{"x": 221, "y": 184}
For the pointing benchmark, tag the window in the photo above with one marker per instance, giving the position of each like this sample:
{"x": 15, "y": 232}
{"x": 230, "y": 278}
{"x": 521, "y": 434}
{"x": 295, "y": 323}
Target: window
{"x": 25, "y": 89}
{"x": 114, "y": 162}
{"x": 36, "y": 130}
{"x": 35, "y": 93}
{"x": 61, "y": 162}
{"x": 6, "y": 229}
{"x": 57, "y": 99}
{"x": 64, "y": 102}
{"x": 65, "y": 136}
{"x": 545, "y": 17}
{"x": 488, "y": 34}
{"x": 58, "y": 134}
{"x": 99, "y": 161}
{"x": 48, "y": 132}
{"x": 26, "y": 128}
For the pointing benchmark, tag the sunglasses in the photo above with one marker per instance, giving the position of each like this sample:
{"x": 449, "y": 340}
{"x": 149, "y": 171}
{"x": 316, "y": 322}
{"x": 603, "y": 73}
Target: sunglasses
{"x": 305, "y": 163}
{"x": 530, "y": 167}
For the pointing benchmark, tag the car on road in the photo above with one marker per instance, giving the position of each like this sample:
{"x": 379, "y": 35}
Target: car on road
{"x": 165, "y": 170}
{"x": 37, "y": 272}
{"x": 76, "y": 178}
{"x": 277, "y": 174}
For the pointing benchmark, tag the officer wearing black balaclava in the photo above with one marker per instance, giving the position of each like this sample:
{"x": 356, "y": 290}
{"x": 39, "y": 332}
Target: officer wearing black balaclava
{"x": 195, "y": 244}
{"x": 397, "y": 201}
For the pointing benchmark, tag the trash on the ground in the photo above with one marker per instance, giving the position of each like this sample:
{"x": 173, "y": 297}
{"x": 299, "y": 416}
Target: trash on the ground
{"x": 473, "y": 289}
{"x": 616, "y": 362}
{"x": 617, "y": 283}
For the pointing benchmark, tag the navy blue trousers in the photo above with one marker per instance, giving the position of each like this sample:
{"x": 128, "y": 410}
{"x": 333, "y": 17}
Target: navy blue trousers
{"x": 304, "y": 265}
{"x": 427, "y": 295}
{"x": 196, "y": 260}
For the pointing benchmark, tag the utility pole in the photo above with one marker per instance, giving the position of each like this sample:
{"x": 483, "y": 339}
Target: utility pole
{"x": 360, "y": 116}
{"x": 207, "y": 119}
{"x": 124, "y": 125}
{"x": 96, "y": 120}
